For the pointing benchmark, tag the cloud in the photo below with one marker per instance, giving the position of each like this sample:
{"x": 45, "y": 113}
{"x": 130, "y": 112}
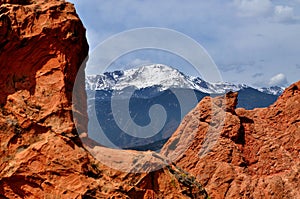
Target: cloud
{"x": 139, "y": 62}
{"x": 235, "y": 32}
{"x": 278, "y": 80}
{"x": 253, "y": 7}
{"x": 256, "y": 75}
{"x": 284, "y": 13}
{"x": 127, "y": 62}
{"x": 237, "y": 66}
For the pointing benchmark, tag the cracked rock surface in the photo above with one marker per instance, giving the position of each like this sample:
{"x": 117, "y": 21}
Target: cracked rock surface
{"x": 42, "y": 45}
{"x": 238, "y": 153}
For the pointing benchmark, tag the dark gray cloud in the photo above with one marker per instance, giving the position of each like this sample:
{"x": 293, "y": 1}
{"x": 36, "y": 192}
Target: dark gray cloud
{"x": 236, "y": 67}
{"x": 256, "y": 75}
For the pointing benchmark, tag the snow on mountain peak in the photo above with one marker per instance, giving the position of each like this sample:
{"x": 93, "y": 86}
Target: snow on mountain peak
{"x": 146, "y": 76}
{"x": 274, "y": 90}
{"x": 163, "y": 77}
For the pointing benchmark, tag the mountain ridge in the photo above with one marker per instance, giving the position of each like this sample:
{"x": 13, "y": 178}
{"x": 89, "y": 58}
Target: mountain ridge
{"x": 164, "y": 77}
{"x": 154, "y": 85}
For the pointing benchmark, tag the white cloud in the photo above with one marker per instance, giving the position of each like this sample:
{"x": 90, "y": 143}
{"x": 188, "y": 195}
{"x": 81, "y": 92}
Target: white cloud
{"x": 253, "y": 7}
{"x": 217, "y": 25}
{"x": 278, "y": 80}
{"x": 283, "y": 13}
{"x": 140, "y": 62}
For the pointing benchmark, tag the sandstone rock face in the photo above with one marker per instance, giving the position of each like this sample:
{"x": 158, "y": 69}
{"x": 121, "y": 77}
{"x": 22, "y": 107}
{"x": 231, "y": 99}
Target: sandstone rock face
{"x": 42, "y": 45}
{"x": 241, "y": 153}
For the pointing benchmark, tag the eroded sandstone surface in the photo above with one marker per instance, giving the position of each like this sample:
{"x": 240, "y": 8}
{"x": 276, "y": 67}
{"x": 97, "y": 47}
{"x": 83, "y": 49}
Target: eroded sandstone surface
{"x": 42, "y": 46}
{"x": 238, "y": 153}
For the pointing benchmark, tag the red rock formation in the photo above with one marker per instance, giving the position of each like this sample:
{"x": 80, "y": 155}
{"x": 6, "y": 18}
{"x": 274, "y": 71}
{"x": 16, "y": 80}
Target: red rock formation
{"x": 42, "y": 45}
{"x": 242, "y": 153}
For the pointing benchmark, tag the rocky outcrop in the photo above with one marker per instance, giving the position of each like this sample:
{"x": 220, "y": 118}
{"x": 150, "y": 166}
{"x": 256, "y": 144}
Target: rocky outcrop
{"x": 238, "y": 153}
{"x": 41, "y": 156}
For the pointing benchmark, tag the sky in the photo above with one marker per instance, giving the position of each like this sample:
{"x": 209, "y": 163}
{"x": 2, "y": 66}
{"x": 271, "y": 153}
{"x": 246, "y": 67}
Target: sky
{"x": 256, "y": 42}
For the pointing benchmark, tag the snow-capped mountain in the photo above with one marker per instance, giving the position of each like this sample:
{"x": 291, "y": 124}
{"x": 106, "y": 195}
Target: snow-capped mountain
{"x": 274, "y": 90}
{"x": 163, "y": 77}
{"x": 155, "y": 85}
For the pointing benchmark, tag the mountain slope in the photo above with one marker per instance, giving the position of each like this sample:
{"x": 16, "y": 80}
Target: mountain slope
{"x": 159, "y": 78}
{"x": 154, "y": 84}
{"x": 250, "y": 98}
{"x": 139, "y": 107}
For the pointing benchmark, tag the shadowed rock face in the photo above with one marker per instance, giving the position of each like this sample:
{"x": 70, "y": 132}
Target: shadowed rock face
{"x": 42, "y": 45}
{"x": 251, "y": 154}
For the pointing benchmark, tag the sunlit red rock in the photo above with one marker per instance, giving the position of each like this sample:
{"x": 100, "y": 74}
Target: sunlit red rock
{"x": 253, "y": 154}
{"x": 42, "y": 45}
